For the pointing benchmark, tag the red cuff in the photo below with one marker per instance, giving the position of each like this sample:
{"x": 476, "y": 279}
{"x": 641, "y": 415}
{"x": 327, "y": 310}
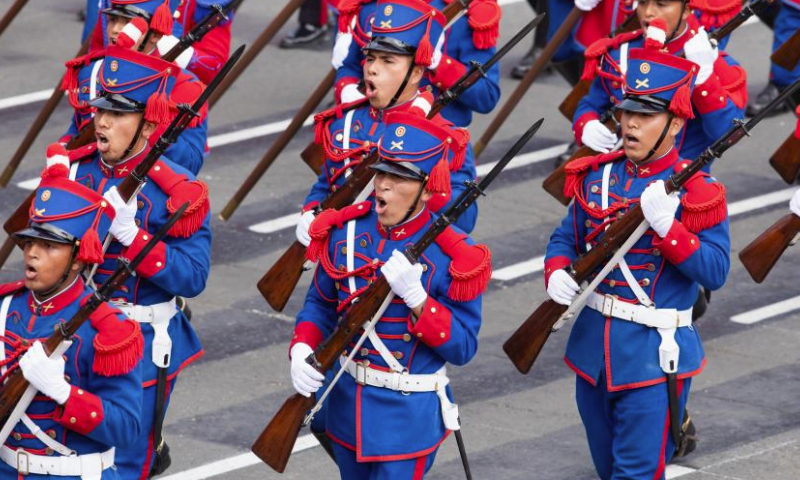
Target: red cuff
{"x": 553, "y": 264}
{"x": 310, "y": 206}
{"x": 308, "y": 333}
{"x": 710, "y": 96}
{"x": 82, "y": 413}
{"x": 343, "y": 82}
{"x": 447, "y": 73}
{"x": 155, "y": 261}
{"x": 580, "y": 123}
{"x": 678, "y": 245}
{"x": 433, "y": 326}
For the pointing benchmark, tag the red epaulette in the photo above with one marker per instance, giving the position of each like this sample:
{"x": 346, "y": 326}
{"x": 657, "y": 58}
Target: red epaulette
{"x": 470, "y": 265}
{"x": 11, "y": 288}
{"x": 703, "y": 201}
{"x": 320, "y": 229}
{"x": 484, "y": 20}
{"x": 69, "y": 83}
{"x": 733, "y": 79}
{"x": 599, "y": 48}
{"x": 180, "y": 189}
{"x": 715, "y": 13}
{"x": 348, "y": 9}
{"x": 118, "y": 345}
{"x": 82, "y": 153}
{"x": 575, "y": 170}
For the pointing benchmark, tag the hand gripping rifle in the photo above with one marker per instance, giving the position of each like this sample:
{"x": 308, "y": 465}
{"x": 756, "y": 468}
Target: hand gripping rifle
{"x": 554, "y": 183}
{"x": 17, "y": 393}
{"x": 764, "y": 252}
{"x": 274, "y": 445}
{"x": 134, "y": 181}
{"x": 281, "y": 279}
{"x": 525, "y": 344}
{"x": 211, "y": 21}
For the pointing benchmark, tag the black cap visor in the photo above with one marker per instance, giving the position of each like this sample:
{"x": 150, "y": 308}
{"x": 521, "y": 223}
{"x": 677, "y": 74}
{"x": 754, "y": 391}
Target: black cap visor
{"x": 643, "y": 104}
{"x": 401, "y": 169}
{"x": 46, "y": 232}
{"x": 117, "y": 103}
{"x": 126, "y": 11}
{"x": 389, "y": 45}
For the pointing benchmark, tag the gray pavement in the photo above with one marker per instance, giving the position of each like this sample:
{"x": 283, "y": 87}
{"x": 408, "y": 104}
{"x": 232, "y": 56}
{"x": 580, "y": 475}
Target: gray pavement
{"x": 515, "y": 427}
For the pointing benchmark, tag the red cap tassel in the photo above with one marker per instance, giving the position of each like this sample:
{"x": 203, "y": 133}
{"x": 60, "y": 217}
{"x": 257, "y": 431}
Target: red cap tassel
{"x": 424, "y": 55}
{"x": 118, "y": 345}
{"x": 590, "y": 68}
{"x": 347, "y": 10}
{"x": 467, "y": 286}
{"x": 161, "y": 23}
{"x": 439, "y": 178}
{"x": 571, "y": 181}
{"x": 91, "y": 250}
{"x": 158, "y": 109}
{"x": 681, "y": 104}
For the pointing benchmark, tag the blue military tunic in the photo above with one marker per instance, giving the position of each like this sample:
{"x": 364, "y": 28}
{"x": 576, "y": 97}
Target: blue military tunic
{"x": 377, "y": 423}
{"x": 786, "y": 24}
{"x": 102, "y": 411}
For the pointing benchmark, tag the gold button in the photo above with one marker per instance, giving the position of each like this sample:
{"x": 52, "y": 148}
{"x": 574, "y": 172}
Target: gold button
{"x": 375, "y": 261}
{"x": 704, "y": 93}
{"x": 157, "y": 168}
{"x": 363, "y": 243}
{"x": 442, "y": 335}
{"x": 595, "y": 189}
{"x": 145, "y": 238}
{"x": 140, "y": 204}
{"x": 17, "y": 436}
{"x": 333, "y": 171}
{"x": 691, "y": 241}
{"x": 406, "y": 337}
{"x": 93, "y": 414}
{"x": 612, "y": 182}
{"x": 365, "y": 363}
{"x": 398, "y": 355}
{"x": 364, "y": 352}
{"x": 645, "y": 282}
{"x": 449, "y": 61}
{"x": 138, "y": 222}
{"x": 344, "y": 250}
{"x": 721, "y": 99}
{"x": 674, "y": 242}
{"x": 615, "y": 84}
{"x": 651, "y": 267}
{"x": 338, "y": 286}
{"x": 612, "y": 283}
{"x": 334, "y": 188}
{"x": 419, "y": 334}
{"x": 356, "y": 128}
{"x": 48, "y": 451}
{"x": 73, "y": 420}
{"x": 439, "y": 84}
{"x": 80, "y": 392}
{"x": 51, "y": 433}
{"x": 433, "y": 309}
{"x": 159, "y": 264}
{"x": 656, "y": 252}
{"x": 592, "y": 204}
{"x": 424, "y": 267}
{"x": 341, "y": 268}
{"x": 67, "y": 378}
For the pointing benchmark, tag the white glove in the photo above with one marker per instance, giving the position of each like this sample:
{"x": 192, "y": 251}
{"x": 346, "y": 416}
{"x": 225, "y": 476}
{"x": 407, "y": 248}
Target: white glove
{"x": 124, "y": 226}
{"x": 562, "y": 288}
{"x": 597, "y": 137}
{"x": 301, "y": 232}
{"x": 700, "y": 51}
{"x": 586, "y": 5}
{"x": 44, "y": 373}
{"x": 305, "y": 378}
{"x": 165, "y": 45}
{"x": 350, "y": 93}
{"x": 794, "y": 203}
{"x": 341, "y": 48}
{"x": 405, "y": 279}
{"x": 659, "y": 208}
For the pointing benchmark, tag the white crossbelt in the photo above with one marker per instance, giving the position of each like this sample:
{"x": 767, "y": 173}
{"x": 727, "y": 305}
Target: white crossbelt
{"x": 88, "y": 467}
{"x": 611, "y": 306}
{"x": 400, "y": 382}
{"x": 158, "y": 316}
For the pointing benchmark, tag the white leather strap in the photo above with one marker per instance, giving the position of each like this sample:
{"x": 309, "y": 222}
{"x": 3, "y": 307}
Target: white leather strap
{"x": 158, "y": 316}
{"x": 94, "y": 80}
{"x": 88, "y": 467}
{"x": 611, "y": 306}
{"x": 4, "y": 306}
{"x": 73, "y": 171}
{"x": 623, "y": 62}
{"x": 37, "y": 432}
{"x": 400, "y": 382}
{"x": 348, "y": 122}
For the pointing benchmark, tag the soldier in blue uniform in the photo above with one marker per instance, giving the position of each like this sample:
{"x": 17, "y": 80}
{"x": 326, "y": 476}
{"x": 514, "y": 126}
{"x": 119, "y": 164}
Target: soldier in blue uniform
{"x": 636, "y": 327}
{"x": 89, "y": 400}
{"x": 134, "y": 89}
{"x": 133, "y": 22}
{"x": 392, "y": 407}
{"x": 720, "y": 96}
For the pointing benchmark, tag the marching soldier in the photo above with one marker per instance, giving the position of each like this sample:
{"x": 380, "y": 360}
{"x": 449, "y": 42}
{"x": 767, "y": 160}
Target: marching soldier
{"x": 89, "y": 400}
{"x": 635, "y": 333}
{"x": 131, "y": 107}
{"x": 392, "y": 407}
{"x": 82, "y": 82}
{"x": 719, "y": 98}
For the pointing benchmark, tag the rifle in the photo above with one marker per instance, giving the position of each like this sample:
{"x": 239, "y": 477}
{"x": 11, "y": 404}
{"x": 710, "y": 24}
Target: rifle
{"x": 788, "y": 55}
{"x": 38, "y": 124}
{"x": 277, "y": 285}
{"x": 274, "y": 445}
{"x": 11, "y": 14}
{"x": 554, "y": 183}
{"x": 763, "y": 253}
{"x": 786, "y": 159}
{"x": 16, "y": 386}
{"x": 527, "y": 341}
{"x": 516, "y": 96}
{"x": 211, "y": 21}
{"x": 570, "y": 103}
{"x": 314, "y": 155}
{"x": 133, "y": 182}
{"x": 274, "y": 26}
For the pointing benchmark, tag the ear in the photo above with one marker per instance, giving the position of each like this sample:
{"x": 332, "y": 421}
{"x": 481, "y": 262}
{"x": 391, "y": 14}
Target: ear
{"x": 686, "y": 12}
{"x": 676, "y": 126}
{"x": 148, "y": 129}
{"x": 416, "y": 75}
{"x": 426, "y": 196}
{"x": 77, "y": 266}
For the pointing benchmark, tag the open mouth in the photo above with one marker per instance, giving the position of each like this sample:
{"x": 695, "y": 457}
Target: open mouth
{"x": 369, "y": 89}
{"x": 380, "y": 205}
{"x": 102, "y": 142}
{"x": 30, "y": 272}
{"x": 631, "y": 141}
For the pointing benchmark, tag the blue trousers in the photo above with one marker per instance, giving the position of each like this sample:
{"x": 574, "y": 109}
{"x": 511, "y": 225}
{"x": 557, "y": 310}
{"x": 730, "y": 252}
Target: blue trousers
{"x": 628, "y": 431}
{"x": 351, "y": 469}
{"x": 787, "y": 22}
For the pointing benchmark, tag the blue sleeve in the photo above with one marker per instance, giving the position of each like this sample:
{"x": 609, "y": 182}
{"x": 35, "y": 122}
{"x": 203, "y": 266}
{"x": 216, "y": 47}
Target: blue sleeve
{"x": 189, "y": 149}
{"x": 121, "y": 397}
{"x": 483, "y": 96}
{"x": 709, "y": 261}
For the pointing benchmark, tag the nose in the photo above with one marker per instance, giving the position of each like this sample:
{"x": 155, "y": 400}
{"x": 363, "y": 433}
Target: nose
{"x": 101, "y": 119}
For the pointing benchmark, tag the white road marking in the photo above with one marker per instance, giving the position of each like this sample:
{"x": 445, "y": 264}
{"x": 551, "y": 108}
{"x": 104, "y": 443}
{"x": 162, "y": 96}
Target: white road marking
{"x": 675, "y": 471}
{"x": 276, "y": 225}
{"x": 536, "y": 265}
{"x": 235, "y": 463}
{"x": 253, "y": 132}
{"x": 763, "y": 313}
{"x": 25, "y": 99}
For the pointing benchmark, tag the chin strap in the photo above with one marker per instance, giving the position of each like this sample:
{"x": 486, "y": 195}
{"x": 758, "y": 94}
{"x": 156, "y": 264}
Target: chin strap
{"x": 680, "y": 18}
{"x": 402, "y": 87}
{"x": 411, "y": 208}
{"x": 660, "y": 139}
{"x": 135, "y": 139}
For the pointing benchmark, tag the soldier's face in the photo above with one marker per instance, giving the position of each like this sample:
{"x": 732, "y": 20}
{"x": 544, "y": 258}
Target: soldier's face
{"x": 383, "y": 75}
{"x": 114, "y": 132}
{"x": 45, "y": 263}
{"x": 641, "y": 131}
{"x": 394, "y": 196}
{"x": 667, "y": 10}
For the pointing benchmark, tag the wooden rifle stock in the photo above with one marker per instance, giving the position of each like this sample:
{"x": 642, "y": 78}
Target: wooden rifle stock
{"x": 277, "y": 285}
{"x": 786, "y": 159}
{"x": 788, "y": 55}
{"x": 280, "y": 143}
{"x": 274, "y": 445}
{"x": 10, "y": 14}
{"x": 16, "y": 222}
{"x": 763, "y": 253}
{"x": 36, "y": 127}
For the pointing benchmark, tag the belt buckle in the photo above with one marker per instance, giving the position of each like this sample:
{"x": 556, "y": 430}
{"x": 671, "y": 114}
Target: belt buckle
{"x": 27, "y": 468}
{"x": 361, "y": 374}
{"x": 608, "y": 305}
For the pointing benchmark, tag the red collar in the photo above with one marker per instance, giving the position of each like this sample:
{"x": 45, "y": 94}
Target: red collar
{"x": 123, "y": 169}
{"x": 677, "y": 44}
{"x": 58, "y": 302}
{"x": 652, "y": 167}
{"x": 376, "y": 113}
{"x": 405, "y": 230}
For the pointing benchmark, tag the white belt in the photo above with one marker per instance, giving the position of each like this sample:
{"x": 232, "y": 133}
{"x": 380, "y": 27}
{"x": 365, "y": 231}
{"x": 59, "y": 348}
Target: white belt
{"x": 611, "y": 306}
{"x": 401, "y": 382}
{"x": 88, "y": 467}
{"x": 158, "y": 316}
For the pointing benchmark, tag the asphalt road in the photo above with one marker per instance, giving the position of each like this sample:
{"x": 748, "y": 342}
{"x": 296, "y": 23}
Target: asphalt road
{"x": 515, "y": 427}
